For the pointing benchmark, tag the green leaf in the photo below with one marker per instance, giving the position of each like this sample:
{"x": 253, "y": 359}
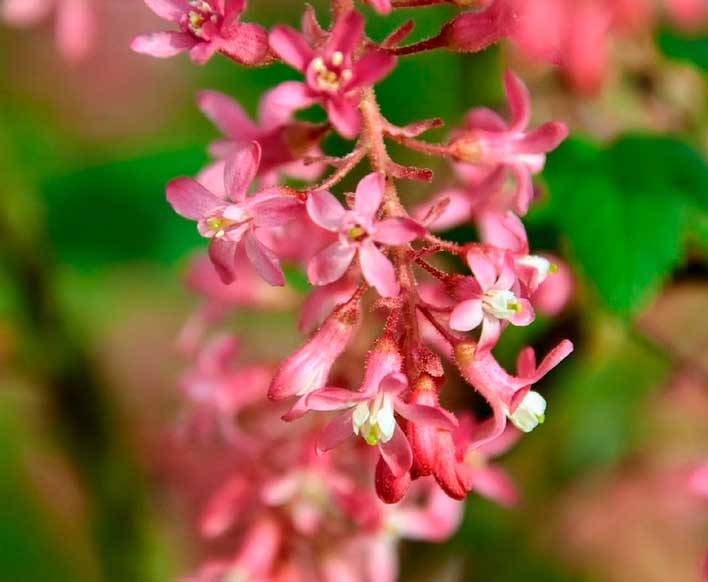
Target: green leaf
{"x": 625, "y": 210}
{"x": 691, "y": 49}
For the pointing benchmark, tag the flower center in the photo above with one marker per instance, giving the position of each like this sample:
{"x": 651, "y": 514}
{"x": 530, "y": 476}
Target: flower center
{"x": 330, "y": 75}
{"x": 374, "y": 420}
{"x": 356, "y": 232}
{"x": 201, "y": 13}
{"x": 530, "y": 413}
{"x": 501, "y": 304}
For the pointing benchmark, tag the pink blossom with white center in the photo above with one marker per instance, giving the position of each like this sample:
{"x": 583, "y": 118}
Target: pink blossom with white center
{"x": 487, "y": 139}
{"x": 509, "y": 396}
{"x": 359, "y": 230}
{"x": 370, "y": 411}
{"x": 75, "y": 27}
{"x": 233, "y": 220}
{"x": 206, "y": 27}
{"x": 496, "y": 301}
{"x": 334, "y": 75}
{"x": 284, "y": 141}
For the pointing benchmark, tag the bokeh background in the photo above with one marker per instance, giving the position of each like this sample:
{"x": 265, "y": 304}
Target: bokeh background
{"x": 91, "y": 300}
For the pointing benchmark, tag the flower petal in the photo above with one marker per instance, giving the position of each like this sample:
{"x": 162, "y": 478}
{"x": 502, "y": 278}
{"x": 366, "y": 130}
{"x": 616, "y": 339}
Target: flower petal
{"x": 335, "y": 432}
{"x": 397, "y": 453}
{"x": 482, "y": 269}
{"x": 430, "y": 416}
{"x": 344, "y": 115}
{"x": 223, "y": 256}
{"x": 263, "y": 260}
{"x": 519, "y": 101}
{"x": 171, "y": 10}
{"x": 281, "y": 102}
{"x": 226, "y": 114}
{"x": 346, "y": 33}
{"x": 325, "y": 210}
{"x": 525, "y": 315}
{"x": 240, "y": 171}
{"x": 273, "y": 208}
{"x": 369, "y": 193}
{"x": 397, "y": 231}
{"x": 543, "y": 139}
{"x": 330, "y": 264}
{"x": 332, "y": 398}
{"x": 467, "y": 315}
{"x": 190, "y": 199}
{"x": 290, "y": 46}
{"x": 247, "y": 43}
{"x": 371, "y": 68}
{"x": 378, "y": 270}
{"x": 162, "y": 44}
{"x": 491, "y": 482}
{"x": 491, "y": 330}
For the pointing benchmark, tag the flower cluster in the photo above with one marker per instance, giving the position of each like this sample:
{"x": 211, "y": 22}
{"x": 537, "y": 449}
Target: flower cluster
{"x": 382, "y": 278}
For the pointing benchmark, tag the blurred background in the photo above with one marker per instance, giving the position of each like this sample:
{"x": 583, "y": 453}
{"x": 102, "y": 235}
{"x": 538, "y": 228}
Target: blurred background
{"x": 91, "y": 301}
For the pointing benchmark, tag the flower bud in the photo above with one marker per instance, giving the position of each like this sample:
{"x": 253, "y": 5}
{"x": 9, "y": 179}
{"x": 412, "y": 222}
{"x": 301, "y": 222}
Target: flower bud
{"x": 390, "y": 488}
{"x": 307, "y": 369}
{"x": 473, "y": 31}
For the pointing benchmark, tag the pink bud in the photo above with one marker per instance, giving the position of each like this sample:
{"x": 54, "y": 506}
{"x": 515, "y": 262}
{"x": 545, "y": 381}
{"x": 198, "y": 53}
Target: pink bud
{"x": 389, "y": 488}
{"x": 307, "y": 369}
{"x": 473, "y": 31}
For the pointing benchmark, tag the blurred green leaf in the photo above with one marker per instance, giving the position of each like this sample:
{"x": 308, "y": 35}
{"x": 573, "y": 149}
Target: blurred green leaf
{"x": 685, "y": 48}
{"x": 625, "y": 210}
{"x": 117, "y": 211}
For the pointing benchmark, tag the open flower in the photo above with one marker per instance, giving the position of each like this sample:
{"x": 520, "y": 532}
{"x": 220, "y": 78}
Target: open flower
{"x": 370, "y": 412}
{"x": 283, "y": 140}
{"x": 234, "y": 220}
{"x": 206, "y": 27}
{"x": 509, "y": 396}
{"x": 494, "y": 303}
{"x": 333, "y": 74}
{"x": 488, "y": 140}
{"x": 359, "y": 230}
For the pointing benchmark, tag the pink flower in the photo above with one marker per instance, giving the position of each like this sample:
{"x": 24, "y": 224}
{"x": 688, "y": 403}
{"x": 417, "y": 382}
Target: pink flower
{"x": 206, "y": 27}
{"x": 232, "y": 221}
{"x": 494, "y": 302}
{"x": 333, "y": 74}
{"x": 488, "y": 140}
{"x": 75, "y": 22}
{"x": 283, "y": 141}
{"x": 370, "y": 412}
{"x": 359, "y": 230}
{"x": 307, "y": 369}
{"x": 509, "y": 396}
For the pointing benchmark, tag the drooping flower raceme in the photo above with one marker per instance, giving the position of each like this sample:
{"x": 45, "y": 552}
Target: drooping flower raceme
{"x": 387, "y": 298}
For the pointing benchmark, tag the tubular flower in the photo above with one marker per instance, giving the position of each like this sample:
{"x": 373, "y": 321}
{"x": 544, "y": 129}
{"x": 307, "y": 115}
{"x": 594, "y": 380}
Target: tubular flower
{"x": 370, "y": 412}
{"x": 334, "y": 75}
{"x": 307, "y": 369}
{"x": 494, "y": 303}
{"x": 205, "y": 27}
{"x": 358, "y": 231}
{"x": 233, "y": 220}
{"x": 488, "y": 140}
{"x": 509, "y": 396}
